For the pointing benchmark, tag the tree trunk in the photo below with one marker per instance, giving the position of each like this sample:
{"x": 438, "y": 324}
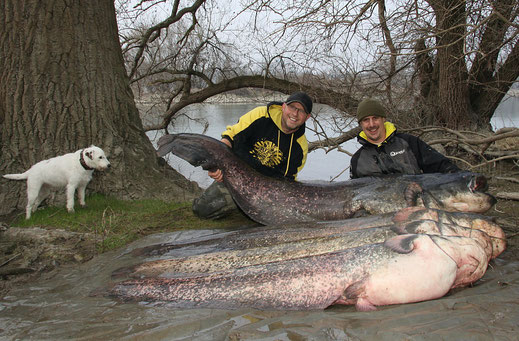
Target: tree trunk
{"x": 63, "y": 87}
{"x": 454, "y": 109}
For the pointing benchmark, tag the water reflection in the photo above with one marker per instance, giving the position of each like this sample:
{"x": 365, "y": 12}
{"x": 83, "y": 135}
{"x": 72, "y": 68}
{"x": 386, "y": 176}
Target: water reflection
{"x": 507, "y": 113}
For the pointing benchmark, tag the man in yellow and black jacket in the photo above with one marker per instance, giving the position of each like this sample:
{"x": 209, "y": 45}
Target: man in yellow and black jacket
{"x": 269, "y": 138}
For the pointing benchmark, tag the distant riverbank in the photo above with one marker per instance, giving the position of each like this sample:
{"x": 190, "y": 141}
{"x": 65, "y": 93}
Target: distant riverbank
{"x": 245, "y": 96}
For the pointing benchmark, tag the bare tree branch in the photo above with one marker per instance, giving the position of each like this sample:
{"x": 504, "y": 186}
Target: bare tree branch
{"x": 320, "y": 95}
{"x": 153, "y": 32}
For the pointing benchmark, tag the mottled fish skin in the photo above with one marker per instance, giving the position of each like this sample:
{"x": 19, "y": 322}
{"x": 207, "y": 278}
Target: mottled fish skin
{"x": 268, "y": 235}
{"x": 278, "y": 201}
{"x": 260, "y": 254}
{"x": 404, "y": 269}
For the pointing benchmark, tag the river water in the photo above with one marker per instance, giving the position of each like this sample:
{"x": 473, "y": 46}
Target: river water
{"x": 212, "y": 119}
{"x": 66, "y": 307}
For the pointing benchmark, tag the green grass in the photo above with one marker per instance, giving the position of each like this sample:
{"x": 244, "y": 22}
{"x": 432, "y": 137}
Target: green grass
{"x": 116, "y": 223}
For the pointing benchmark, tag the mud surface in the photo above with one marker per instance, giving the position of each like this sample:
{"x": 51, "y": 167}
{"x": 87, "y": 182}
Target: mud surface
{"x": 31, "y": 254}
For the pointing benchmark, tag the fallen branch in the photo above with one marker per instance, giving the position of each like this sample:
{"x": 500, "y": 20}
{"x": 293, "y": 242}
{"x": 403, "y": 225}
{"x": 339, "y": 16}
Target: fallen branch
{"x": 15, "y": 271}
{"x": 334, "y": 141}
{"x": 516, "y": 156}
{"x": 508, "y": 179}
{"x": 10, "y": 259}
{"x": 508, "y": 196}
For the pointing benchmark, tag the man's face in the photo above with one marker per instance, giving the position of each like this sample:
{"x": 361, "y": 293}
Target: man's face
{"x": 293, "y": 117}
{"x": 373, "y": 127}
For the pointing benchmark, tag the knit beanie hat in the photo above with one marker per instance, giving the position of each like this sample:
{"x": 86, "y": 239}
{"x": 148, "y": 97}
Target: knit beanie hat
{"x": 303, "y": 99}
{"x": 370, "y": 107}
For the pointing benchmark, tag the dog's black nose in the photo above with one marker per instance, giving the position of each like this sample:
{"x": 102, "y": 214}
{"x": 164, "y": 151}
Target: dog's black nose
{"x": 109, "y": 165}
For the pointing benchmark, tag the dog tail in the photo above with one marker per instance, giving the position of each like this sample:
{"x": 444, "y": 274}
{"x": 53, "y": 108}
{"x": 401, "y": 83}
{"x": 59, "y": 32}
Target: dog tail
{"x": 22, "y": 176}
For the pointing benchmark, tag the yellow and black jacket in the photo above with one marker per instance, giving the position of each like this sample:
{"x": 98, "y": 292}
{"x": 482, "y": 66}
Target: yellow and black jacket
{"x": 258, "y": 139}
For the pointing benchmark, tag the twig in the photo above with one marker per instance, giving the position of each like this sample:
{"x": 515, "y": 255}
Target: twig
{"x": 497, "y": 159}
{"x": 508, "y": 196}
{"x": 508, "y": 179}
{"x": 342, "y": 172}
{"x": 10, "y": 259}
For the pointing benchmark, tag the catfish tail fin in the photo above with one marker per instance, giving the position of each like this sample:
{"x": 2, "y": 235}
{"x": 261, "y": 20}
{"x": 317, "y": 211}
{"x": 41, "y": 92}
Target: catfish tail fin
{"x": 197, "y": 149}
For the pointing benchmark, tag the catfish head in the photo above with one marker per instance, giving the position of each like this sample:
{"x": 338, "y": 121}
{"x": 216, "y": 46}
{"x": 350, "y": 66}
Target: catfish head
{"x": 457, "y": 192}
{"x": 470, "y": 257}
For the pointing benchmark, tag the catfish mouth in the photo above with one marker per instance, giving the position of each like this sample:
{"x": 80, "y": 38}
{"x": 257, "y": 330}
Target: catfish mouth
{"x": 478, "y": 183}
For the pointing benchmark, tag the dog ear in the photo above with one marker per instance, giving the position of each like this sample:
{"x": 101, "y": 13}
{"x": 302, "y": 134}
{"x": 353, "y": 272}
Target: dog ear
{"x": 89, "y": 154}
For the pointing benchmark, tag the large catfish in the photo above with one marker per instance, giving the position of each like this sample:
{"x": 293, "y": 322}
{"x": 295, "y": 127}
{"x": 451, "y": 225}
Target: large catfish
{"x": 276, "y": 201}
{"x": 267, "y": 236}
{"x": 329, "y": 243}
{"x": 403, "y": 269}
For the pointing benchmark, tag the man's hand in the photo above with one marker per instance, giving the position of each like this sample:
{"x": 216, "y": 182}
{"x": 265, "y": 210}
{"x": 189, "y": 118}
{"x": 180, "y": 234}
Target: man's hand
{"x": 227, "y": 142}
{"x": 216, "y": 175}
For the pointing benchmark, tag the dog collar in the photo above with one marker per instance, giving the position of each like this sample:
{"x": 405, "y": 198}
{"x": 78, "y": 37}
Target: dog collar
{"x": 82, "y": 161}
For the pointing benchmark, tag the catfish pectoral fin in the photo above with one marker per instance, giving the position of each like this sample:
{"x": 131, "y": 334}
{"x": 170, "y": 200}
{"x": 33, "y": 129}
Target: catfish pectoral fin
{"x": 364, "y": 304}
{"x": 355, "y": 294}
{"x": 401, "y": 244}
{"x": 407, "y": 214}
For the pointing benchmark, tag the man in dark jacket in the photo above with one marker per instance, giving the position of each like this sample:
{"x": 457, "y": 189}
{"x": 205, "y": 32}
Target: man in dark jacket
{"x": 269, "y": 138}
{"x": 386, "y": 151}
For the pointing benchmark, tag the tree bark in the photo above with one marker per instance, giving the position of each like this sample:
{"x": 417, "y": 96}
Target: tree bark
{"x": 63, "y": 87}
{"x": 453, "y": 95}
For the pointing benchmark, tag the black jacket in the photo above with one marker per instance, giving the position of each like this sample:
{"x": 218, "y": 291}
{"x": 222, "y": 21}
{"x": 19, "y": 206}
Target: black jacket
{"x": 399, "y": 154}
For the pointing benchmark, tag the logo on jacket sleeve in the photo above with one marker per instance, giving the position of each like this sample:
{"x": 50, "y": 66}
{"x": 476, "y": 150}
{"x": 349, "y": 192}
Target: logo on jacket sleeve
{"x": 267, "y": 153}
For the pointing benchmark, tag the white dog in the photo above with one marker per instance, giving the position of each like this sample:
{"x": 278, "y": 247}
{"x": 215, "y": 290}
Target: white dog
{"x": 72, "y": 170}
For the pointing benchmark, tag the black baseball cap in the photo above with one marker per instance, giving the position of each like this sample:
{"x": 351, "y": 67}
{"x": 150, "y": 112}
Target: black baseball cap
{"x": 303, "y": 99}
